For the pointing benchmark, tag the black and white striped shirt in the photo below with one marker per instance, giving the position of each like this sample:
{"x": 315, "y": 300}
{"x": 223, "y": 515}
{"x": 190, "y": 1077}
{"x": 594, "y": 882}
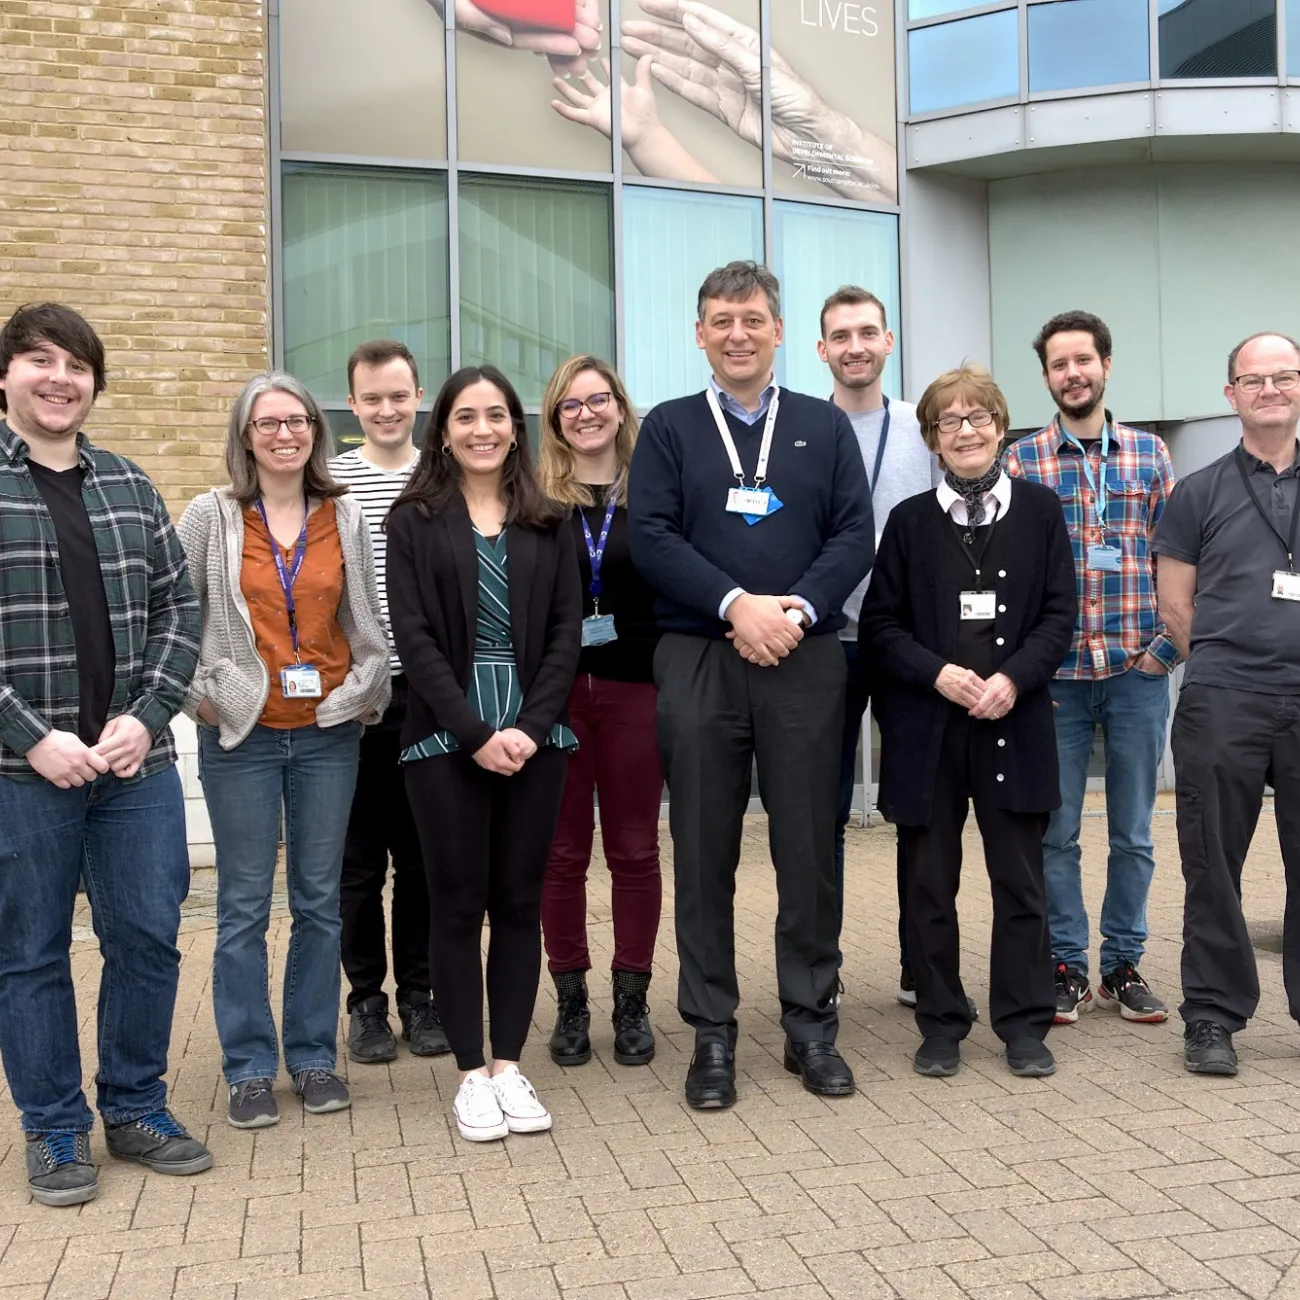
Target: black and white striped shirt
{"x": 376, "y": 489}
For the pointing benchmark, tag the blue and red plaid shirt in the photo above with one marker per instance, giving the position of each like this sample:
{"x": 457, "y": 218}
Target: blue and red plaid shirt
{"x": 1118, "y": 616}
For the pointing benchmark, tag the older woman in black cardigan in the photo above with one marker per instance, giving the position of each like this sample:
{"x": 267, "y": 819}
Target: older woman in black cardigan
{"x": 970, "y": 612}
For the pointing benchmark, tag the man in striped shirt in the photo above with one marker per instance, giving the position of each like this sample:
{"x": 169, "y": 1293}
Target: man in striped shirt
{"x": 384, "y": 393}
{"x": 1113, "y": 482}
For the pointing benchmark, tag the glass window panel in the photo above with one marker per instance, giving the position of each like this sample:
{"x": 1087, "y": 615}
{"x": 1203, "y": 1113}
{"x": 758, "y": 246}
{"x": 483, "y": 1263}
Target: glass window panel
{"x": 1218, "y": 38}
{"x": 505, "y": 94}
{"x": 672, "y": 239}
{"x": 918, "y": 9}
{"x": 817, "y": 250}
{"x": 367, "y": 80}
{"x": 965, "y": 62}
{"x": 365, "y": 256}
{"x": 666, "y": 135}
{"x": 536, "y": 276}
{"x": 1293, "y": 40}
{"x": 1088, "y": 43}
{"x": 834, "y": 107}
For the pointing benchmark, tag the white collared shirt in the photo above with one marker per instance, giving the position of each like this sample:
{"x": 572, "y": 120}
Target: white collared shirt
{"x": 954, "y": 505}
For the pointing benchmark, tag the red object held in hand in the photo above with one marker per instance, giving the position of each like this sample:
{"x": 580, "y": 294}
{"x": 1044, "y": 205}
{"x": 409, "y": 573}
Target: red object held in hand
{"x": 550, "y": 15}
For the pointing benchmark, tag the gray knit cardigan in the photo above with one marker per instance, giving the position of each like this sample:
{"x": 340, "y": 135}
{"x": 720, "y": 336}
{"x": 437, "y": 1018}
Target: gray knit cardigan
{"x": 231, "y": 673}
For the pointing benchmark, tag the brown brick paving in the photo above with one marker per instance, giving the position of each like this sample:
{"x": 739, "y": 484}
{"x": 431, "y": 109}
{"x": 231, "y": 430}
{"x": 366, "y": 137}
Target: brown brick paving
{"x": 1120, "y": 1177}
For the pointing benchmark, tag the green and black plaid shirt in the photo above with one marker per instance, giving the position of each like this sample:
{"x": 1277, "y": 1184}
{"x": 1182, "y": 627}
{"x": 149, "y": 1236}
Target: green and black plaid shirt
{"x": 152, "y": 608}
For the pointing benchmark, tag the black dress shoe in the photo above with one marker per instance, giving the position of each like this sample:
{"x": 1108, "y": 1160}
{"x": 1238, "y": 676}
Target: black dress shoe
{"x": 940, "y": 1058}
{"x": 823, "y": 1070}
{"x": 711, "y": 1080}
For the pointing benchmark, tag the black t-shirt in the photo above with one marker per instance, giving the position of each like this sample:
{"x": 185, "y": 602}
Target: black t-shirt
{"x": 83, "y": 584}
{"x": 624, "y": 594}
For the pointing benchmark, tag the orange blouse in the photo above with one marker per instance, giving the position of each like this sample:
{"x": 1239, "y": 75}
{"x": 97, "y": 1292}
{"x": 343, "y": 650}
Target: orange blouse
{"x": 317, "y": 594}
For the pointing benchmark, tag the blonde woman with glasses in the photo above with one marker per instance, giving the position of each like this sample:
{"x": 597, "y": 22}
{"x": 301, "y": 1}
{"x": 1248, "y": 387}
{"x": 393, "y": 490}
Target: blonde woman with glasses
{"x": 588, "y": 431}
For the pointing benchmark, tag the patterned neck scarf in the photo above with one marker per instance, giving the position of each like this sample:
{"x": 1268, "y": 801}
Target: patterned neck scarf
{"x": 972, "y": 490}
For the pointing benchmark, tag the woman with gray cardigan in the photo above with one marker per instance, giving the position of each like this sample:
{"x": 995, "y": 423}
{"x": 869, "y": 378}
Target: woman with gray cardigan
{"x": 293, "y": 662}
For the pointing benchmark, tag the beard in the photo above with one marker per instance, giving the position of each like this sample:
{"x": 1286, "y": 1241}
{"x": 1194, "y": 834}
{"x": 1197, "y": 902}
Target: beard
{"x": 1081, "y": 407}
{"x": 863, "y": 380}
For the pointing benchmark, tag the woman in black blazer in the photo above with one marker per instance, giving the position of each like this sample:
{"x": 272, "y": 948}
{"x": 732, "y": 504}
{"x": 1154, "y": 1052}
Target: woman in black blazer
{"x": 484, "y": 596}
{"x": 970, "y": 612}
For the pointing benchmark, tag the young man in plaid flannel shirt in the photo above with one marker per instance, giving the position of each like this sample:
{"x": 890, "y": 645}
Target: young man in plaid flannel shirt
{"x": 1113, "y": 483}
{"x": 99, "y": 637}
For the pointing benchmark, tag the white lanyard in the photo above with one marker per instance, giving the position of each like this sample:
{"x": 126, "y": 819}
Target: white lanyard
{"x": 765, "y": 447}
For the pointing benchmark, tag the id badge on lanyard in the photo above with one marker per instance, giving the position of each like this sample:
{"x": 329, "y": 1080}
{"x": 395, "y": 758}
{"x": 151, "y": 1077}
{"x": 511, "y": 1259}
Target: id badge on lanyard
{"x": 298, "y": 681}
{"x": 599, "y": 628}
{"x": 979, "y": 606}
{"x": 1103, "y": 556}
{"x": 1286, "y": 582}
{"x": 757, "y": 503}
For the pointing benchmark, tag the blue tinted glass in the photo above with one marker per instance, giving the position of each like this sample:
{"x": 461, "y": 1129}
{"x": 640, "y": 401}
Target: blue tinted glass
{"x": 1293, "y": 39}
{"x": 815, "y": 251}
{"x": 965, "y": 62}
{"x": 918, "y": 9}
{"x": 672, "y": 239}
{"x": 1218, "y": 38}
{"x": 1088, "y": 43}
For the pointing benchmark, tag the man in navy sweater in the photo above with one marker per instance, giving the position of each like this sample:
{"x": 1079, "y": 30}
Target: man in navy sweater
{"x": 749, "y": 514}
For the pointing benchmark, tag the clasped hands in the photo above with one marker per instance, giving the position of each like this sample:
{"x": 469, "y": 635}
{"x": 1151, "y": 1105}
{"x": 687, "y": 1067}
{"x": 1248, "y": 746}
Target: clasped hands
{"x": 506, "y": 751}
{"x": 982, "y": 699}
{"x": 760, "y": 630}
{"x": 66, "y": 761}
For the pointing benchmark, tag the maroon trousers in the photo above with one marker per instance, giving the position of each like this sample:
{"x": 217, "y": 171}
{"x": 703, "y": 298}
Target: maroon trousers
{"x": 618, "y": 760}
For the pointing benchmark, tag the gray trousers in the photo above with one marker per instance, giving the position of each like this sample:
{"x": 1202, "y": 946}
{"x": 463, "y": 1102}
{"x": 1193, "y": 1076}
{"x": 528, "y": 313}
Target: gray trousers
{"x": 1227, "y": 746}
{"x": 717, "y": 715}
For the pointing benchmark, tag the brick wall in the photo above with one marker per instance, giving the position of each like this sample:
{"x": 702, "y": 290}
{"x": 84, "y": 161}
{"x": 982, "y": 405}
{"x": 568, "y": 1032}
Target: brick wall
{"x": 133, "y": 186}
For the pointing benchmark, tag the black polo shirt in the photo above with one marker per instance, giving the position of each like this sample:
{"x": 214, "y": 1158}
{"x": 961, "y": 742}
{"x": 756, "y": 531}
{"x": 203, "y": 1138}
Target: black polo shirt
{"x": 1242, "y": 638}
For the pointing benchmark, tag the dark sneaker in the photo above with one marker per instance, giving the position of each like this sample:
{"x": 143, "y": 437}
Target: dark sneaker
{"x": 906, "y": 987}
{"x": 570, "y": 1042}
{"x": 321, "y": 1091}
{"x": 1073, "y": 994}
{"x": 1030, "y": 1058}
{"x": 938, "y": 1057}
{"x": 59, "y": 1168}
{"x": 370, "y": 1040}
{"x": 158, "y": 1142}
{"x": 1126, "y": 989}
{"x": 1207, "y": 1049}
{"x": 252, "y": 1105}
{"x": 422, "y": 1029}
{"x": 634, "y": 1039}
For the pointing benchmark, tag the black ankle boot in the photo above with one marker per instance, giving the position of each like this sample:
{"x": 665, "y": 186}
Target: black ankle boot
{"x": 571, "y": 1043}
{"x": 634, "y": 1040}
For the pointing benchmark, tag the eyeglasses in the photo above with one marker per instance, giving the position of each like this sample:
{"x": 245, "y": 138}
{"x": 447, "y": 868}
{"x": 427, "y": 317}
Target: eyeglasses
{"x": 1283, "y": 380}
{"x": 953, "y": 423}
{"x": 572, "y": 406}
{"x": 268, "y": 426}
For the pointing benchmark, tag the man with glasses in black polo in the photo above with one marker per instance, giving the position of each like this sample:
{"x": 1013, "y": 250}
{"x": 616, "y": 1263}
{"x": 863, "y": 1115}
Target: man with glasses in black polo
{"x": 1229, "y": 581}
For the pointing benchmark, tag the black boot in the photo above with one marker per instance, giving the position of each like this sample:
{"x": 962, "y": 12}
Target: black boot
{"x": 571, "y": 1043}
{"x": 634, "y": 1040}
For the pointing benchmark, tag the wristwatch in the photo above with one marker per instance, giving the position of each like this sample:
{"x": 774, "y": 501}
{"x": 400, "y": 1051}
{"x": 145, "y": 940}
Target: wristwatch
{"x": 799, "y": 617}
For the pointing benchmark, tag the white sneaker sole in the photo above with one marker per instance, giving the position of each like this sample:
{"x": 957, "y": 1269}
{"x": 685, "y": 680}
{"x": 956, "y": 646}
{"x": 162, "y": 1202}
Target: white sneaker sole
{"x": 1069, "y": 1017}
{"x": 1137, "y": 1017}
{"x": 907, "y": 997}
{"x": 484, "y": 1133}
{"x": 529, "y": 1123}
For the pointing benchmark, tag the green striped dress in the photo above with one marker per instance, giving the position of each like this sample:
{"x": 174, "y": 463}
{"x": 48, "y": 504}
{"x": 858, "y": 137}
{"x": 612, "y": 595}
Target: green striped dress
{"x": 494, "y": 692}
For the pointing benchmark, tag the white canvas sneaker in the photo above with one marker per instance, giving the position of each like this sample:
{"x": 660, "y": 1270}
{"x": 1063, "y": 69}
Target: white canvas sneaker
{"x": 477, "y": 1111}
{"x": 518, "y": 1102}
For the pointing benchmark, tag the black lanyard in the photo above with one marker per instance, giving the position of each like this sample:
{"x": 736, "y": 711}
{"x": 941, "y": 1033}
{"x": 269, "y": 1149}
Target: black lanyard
{"x": 1288, "y": 543}
{"x": 880, "y": 449}
{"x": 975, "y": 556}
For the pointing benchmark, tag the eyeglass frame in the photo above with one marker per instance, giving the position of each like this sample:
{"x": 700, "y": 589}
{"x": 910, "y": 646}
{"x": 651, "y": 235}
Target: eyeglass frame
{"x": 1240, "y": 381}
{"x": 583, "y": 402}
{"x": 937, "y": 425}
{"x": 271, "y": 433}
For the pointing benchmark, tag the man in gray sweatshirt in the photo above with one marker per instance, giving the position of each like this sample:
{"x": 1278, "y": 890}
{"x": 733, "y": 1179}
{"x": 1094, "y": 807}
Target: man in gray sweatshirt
{"x": 855, "y": 342}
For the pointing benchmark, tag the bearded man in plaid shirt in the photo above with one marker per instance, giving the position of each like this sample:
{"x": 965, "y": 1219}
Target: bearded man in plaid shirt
{"x": 1113, "y": 482}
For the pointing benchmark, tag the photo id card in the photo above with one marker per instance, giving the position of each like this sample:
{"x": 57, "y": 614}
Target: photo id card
{"x": 749, "y": 501}
{"x": 300, "y": 682}
{"x": 1286, "y": 586}
{"x": 978, "y": 605}
{"x": 598, "y": 630}
{"x": 1105, "y": 559}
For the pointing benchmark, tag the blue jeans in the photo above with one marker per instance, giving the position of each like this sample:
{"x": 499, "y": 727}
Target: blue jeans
{"x": 308, "y": 773}
{"x": 127, "y": 838}
{"x": 1132, "y": 710}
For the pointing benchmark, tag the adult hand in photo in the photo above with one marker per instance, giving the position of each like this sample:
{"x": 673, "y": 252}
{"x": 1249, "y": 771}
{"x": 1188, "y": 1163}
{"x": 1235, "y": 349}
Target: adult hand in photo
{"x": 519, "y": 744}
{"x": 998, "y": 698}
{"x": 760, "y": 622}
{"x": 65, "y": 760}
{"x": 566, "y": 49}
{"x": 651, "y": 146}
{"x": 715, "y": 63}
{"x": 760, "y": 659}
{"x": 123, "y": 744}
{"x": 207, "y": 712}
{"x": 495, "y": 756}
{"x": 960, "y": 685}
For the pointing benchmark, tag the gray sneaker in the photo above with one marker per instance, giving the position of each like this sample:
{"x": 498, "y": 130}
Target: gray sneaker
{"x": 252, "y": 1104}
{"x": 159, "y": 1142}
{"x": 59, "y": 1168}
{"x": 321, "y": 1091}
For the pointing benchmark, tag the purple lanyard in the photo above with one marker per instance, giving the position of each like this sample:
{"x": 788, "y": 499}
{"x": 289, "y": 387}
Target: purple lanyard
{"x": 596, "y": 550}
{"x": 288, "y": 576}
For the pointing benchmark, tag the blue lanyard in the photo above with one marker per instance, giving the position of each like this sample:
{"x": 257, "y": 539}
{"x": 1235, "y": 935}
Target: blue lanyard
{"x": 288, "y": 576}
{"x": 1098, "y": 487}
{"x": 596, "y": 549}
